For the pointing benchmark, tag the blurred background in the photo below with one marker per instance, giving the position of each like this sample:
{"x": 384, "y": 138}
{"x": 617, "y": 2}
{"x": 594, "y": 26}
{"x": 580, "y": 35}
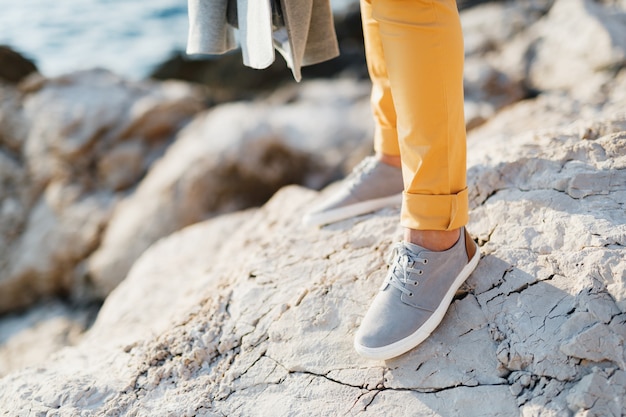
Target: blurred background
{"x": 129, "y": 37}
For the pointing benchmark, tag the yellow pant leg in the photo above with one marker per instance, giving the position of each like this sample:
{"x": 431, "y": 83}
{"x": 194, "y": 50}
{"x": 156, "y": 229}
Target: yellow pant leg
{"x": 386, "y": 134}
{"x": 422, "y": 51}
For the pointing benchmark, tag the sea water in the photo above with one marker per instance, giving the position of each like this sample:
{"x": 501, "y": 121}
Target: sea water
{"x": 126, "y": 36}
{"x": 129, "y": 37}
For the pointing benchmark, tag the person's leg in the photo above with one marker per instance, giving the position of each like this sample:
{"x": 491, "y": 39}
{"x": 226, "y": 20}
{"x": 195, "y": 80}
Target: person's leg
{"x": 384, "y": 112}
{"x": 420, "y": 127}
{"x": 422, "y": 46}
{"x": 376, "y": 182}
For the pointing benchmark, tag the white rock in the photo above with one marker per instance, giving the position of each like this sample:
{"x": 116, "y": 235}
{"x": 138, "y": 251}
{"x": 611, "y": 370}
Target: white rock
{"x": 601, "y": 392}
{"x": 230, "y": 158}
{"x": 487, "y": 90}
{"x": 13, "y": 128}
{"x": 578, "y": 39}
{"x": 263, "y": 310}
{"x": 77, "y": 118}
{"x": 62, "y": 228}
{"x": 487, "y": 27}
{"x": 31, "y": 338}
{"x": 69, "y": 147}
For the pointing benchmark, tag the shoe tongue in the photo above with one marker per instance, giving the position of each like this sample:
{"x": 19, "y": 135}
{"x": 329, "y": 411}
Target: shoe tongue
{"x": 413, "y": 248}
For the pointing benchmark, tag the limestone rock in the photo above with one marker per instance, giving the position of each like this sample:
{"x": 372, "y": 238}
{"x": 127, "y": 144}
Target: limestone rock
{"x": 77, "y": 165}
{"x": 600, "y": 393}
{"x": 75, "y": 120}
{"x": 556, "y": 109}
{"x": 233, "y": 157}
{"x": 578, "y": 40}
{"x": 490, "y": 26}
{"x": 487, "y": 90}
{"x": 577, "y": 47}
{"x": 60, "y": 140}
{"x": 13, "y": 130}
{"x": 31, "y": 337}
{"x": 488, "y": 31}
{"x": 257, "y": 312}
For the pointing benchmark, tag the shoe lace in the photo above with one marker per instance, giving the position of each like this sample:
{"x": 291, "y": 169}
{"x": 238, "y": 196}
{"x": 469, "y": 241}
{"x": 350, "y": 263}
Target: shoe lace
{"x": 403, "y": 263}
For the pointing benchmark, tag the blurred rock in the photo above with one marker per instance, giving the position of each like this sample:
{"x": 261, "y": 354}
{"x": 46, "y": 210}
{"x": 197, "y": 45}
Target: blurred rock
{"x": 59, "y": 139}
{"x": 516, "y": 50}
{"x": 487, "y": 90}
{"x": 13, "y": 66}
{"x": 75, "y": 120}
{"x": 13, "y": 129}
{"x": 74, "y": 193}
{"x": 230, "y": 158}
{"x": 554, "y": 109}
{"x": 31, "y": 337}
{"x": 490, "y": 26}
{"x": 492, "y": 82}
{"x": 577, "y": 40}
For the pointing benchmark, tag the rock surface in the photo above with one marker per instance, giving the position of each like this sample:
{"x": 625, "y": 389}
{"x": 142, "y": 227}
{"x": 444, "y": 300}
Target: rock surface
{"x": 233, "y": 157}
{"x": 253, "y": 314}
{"x": 578, "y": 40}
{"x": 77, "y": 168}
{"x": 29, "y": 338}
{"x": 70, "y": 147}
{"x": 517, "y": 50}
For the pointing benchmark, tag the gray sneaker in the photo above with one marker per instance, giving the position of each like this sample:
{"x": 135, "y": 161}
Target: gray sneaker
{"x": 371, "y": 186}
{"x": 416, "y": 294}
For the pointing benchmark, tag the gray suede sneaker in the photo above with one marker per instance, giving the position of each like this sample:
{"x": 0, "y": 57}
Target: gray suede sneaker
{"x": 371, "y": 186}
{"x": 414, "y": 298}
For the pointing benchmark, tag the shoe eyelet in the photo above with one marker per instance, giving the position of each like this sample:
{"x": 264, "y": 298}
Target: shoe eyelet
{"x": 410, "y": 294}
{"x": 420, "y": 272}
{"x": 425, "y": 261}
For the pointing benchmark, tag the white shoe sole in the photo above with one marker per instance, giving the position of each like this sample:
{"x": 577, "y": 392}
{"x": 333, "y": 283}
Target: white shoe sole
{"x": 353, "y": 210}
{"x": 421, "y": 334}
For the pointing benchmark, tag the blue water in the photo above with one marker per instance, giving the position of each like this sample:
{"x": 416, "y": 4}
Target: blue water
{"x": 126, "y": 36}
{"x": 129, "y": 37}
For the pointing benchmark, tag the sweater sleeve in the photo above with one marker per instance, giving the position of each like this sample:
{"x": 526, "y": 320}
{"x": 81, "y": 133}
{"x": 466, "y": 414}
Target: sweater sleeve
{"x": 209, "y": 32}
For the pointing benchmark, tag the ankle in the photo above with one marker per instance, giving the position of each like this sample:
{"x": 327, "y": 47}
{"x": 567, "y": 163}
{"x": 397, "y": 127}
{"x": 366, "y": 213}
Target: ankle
{"x": 434, "y": 240}
{"x": 393, "y": 160}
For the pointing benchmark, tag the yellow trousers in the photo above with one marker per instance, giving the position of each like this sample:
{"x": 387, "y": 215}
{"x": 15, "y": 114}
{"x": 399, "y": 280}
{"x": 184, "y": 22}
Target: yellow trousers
{"x": 415, "y": 55}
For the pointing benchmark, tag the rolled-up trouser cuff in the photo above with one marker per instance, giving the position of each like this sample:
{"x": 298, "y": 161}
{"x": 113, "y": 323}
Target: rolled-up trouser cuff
{"x": 435, "y": 212}
{"x": 386, "y": 141}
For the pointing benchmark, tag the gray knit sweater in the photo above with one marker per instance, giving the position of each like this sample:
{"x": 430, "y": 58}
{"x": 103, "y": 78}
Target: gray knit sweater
{"x": 308, "y": 36}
